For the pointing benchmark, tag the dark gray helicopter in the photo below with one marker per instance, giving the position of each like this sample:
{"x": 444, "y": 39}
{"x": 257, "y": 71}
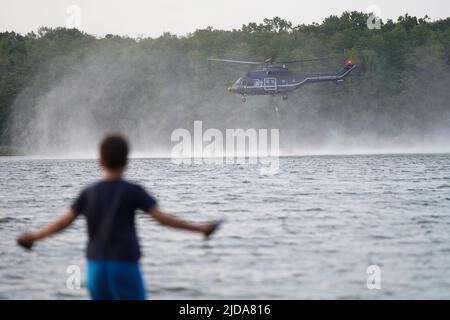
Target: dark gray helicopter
{"x": 272, "y": 80}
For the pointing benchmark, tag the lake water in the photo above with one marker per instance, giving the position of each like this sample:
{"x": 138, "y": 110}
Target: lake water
{"x": 309, "y": 232}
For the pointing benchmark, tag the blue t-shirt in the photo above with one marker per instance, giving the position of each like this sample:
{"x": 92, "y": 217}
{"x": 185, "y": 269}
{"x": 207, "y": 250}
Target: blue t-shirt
{"x": 109, "y": 207}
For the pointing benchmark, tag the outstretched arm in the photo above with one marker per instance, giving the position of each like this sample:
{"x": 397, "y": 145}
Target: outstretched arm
{"x": 171, "y": 221}
{"x": 27, "y": 239}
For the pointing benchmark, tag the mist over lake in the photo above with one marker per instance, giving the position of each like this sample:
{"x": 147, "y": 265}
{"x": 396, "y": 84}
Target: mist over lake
{"x": 67, "y": 89}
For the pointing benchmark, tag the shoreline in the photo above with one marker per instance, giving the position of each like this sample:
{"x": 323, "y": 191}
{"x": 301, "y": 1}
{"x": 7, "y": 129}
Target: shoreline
{"x": 284, "y": 156}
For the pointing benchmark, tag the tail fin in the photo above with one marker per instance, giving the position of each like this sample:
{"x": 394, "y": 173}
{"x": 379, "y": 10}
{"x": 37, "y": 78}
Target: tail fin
{"x": 349, "y": 66}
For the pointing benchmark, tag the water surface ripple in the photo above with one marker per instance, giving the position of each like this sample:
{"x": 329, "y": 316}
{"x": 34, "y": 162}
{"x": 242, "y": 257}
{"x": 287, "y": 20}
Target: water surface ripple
{"x": 309, "y": 232}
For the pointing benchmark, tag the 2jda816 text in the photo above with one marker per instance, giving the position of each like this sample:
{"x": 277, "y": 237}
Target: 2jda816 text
{"x": 227, "y": 310}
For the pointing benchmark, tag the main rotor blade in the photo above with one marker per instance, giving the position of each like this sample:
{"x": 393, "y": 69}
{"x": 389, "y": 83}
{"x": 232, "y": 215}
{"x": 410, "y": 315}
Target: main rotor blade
{"x": 305, "y": 60}
{"x": 235, "y": 61}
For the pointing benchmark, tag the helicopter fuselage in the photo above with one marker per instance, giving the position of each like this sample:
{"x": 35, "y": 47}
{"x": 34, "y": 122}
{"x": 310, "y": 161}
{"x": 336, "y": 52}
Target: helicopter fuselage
{"x": 279, "y": 80}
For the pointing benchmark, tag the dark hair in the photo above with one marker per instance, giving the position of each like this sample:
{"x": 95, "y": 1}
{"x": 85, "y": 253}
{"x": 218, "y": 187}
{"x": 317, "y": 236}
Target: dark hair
{"x": 114, "y": 152}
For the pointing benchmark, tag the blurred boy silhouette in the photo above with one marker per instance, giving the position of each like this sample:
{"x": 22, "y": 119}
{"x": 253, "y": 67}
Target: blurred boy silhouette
{"x": 109, "y": 206}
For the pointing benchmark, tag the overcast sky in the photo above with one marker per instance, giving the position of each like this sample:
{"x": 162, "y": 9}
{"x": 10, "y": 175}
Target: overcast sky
{"x": 153, "y": 17}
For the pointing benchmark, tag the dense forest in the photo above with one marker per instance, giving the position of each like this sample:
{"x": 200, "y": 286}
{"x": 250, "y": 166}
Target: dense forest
{"x": 62, "y": 88}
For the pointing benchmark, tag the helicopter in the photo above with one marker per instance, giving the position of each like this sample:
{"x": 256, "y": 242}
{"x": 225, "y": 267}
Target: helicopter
{"x": 277, "y": 79}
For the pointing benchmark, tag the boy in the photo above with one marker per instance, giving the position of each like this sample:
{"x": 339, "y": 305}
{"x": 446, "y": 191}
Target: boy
{"x": 109, "y": 207}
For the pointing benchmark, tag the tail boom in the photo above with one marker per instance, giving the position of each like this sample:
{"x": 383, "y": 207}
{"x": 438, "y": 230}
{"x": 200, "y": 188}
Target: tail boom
{"x": 338, "y": 77}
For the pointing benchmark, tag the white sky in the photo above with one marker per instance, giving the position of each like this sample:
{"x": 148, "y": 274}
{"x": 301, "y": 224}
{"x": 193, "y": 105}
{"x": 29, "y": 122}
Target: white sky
{"x": 153, "y": 17}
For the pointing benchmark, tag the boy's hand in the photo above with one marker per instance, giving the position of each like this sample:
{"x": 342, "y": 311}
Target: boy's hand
{"x": 210, "y": 228}
{"x": 26, "y": 240}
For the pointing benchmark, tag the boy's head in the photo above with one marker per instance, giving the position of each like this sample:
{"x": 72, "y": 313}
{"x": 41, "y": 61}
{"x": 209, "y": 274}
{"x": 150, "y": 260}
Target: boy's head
{"x": 114, "y": 153}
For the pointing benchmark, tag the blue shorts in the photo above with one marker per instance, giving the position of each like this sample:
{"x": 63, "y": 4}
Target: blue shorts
{"x": 114, "y": 280}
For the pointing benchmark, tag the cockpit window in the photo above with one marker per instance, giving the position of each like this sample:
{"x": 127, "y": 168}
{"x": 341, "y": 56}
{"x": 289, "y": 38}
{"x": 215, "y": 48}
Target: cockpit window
{"x": 279, "y": 73}
{"x": 247, "y": 82}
